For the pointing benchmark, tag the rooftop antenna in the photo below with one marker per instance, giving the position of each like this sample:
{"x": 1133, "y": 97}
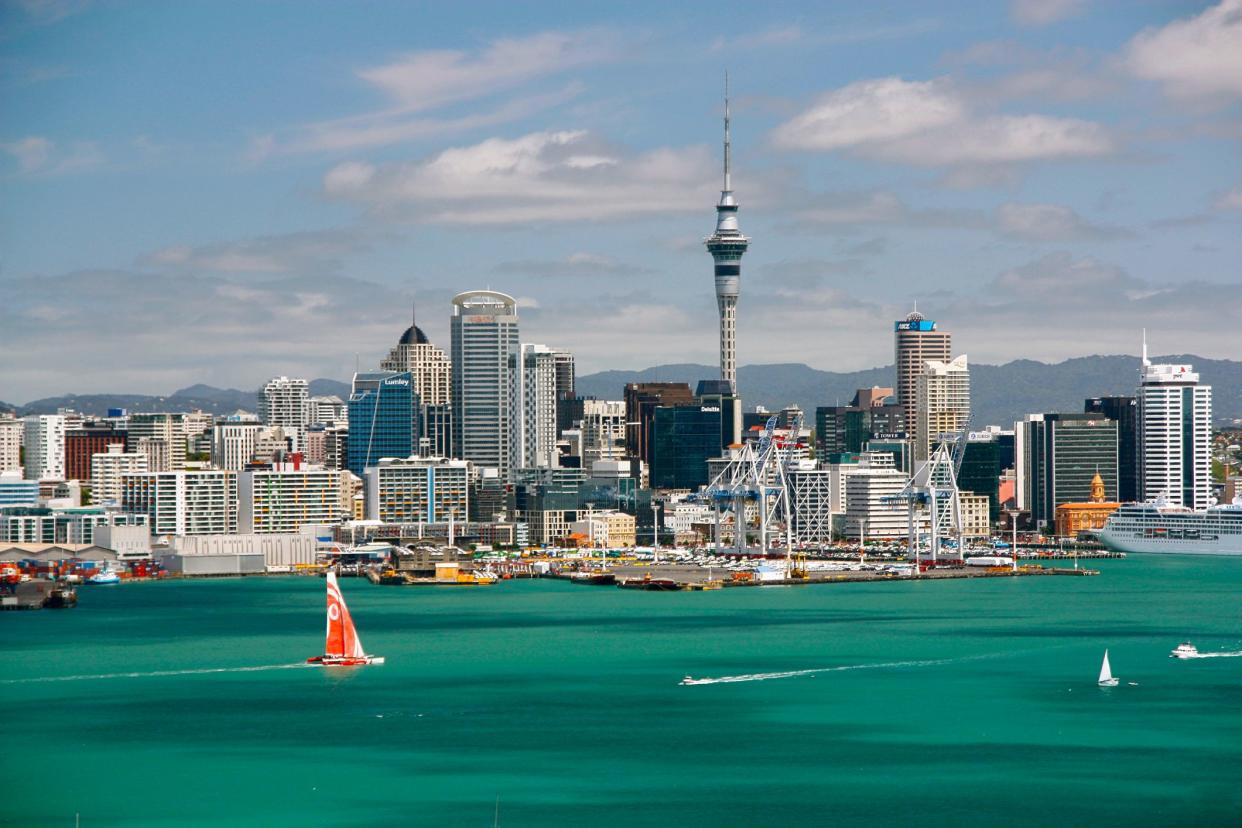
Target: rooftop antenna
{"x": 1146, "y": 361}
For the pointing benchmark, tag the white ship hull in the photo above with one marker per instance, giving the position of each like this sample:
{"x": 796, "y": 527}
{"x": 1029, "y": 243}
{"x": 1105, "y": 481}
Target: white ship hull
{"x": 1152, "y": 529}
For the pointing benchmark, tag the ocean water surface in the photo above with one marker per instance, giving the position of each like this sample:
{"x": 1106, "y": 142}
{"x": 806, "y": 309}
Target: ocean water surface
{"x": 536, "y": 703}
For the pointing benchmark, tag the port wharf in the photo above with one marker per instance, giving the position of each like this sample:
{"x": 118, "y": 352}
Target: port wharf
{"x": 674, "y": 577}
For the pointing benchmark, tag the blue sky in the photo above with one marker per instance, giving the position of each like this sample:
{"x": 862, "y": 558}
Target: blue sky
{"x": 221, "y": 192}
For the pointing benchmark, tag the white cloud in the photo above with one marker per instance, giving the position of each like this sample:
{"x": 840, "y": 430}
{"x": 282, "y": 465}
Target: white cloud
{"x": 1229, "y": 200}
{"x": 1049, "y": 222}
{"x": 312, "y": 252}
{"x": 1058, "y": 275}
{"x": 419, "y": 84}
{"x": 568, "y": 175}
{"x": 574, "y": 266}
{"x": 36, "y": 154}
{"x": 1044, "y": 12}
{"x": 1196, "y": 58}
{"x": 31, "y": 152}
{"x": 931, "y": 123}
{"x": 430, "y": 79}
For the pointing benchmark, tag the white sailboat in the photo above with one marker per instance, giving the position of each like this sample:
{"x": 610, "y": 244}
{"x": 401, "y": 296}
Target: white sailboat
{"x": 1106, "y": 674}
{"x": 343, "y": 647}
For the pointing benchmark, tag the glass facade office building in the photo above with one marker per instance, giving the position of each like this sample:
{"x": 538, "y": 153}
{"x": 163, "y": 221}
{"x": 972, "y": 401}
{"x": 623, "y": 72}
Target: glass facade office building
{"x": 685, "y": 437}
{"x": 383, "y": 419}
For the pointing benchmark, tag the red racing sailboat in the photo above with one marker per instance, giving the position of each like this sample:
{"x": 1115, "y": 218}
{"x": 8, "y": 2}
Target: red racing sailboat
{"x": 343, "y": 648}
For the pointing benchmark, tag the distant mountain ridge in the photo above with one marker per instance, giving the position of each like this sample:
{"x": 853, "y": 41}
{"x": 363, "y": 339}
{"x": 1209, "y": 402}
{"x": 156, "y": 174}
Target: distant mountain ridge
{"x": 1000, "y": 393}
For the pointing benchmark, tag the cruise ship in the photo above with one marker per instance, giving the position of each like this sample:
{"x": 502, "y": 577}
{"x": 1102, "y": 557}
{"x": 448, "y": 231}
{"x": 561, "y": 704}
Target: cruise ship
{"x": 1175, "y": 530}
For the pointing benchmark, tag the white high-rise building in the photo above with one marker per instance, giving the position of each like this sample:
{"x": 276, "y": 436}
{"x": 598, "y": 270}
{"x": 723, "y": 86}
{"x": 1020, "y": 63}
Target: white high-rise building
{"x": 329, "y": 410}
{"x": 109, "y": 467}
{"x": 161, "y": 436}
{"x": 283, "y": 402}
{"x": 233, "y": 444}
{"x": 44, "y": 440}
{"x": 12, "y": 433}
{"x": 532, "y": 394}
{"x": 184, "y": 502}
{"x": 484, "y": 331}
{"x": 1174, "y": 435}
{"x": 942, "y": 403}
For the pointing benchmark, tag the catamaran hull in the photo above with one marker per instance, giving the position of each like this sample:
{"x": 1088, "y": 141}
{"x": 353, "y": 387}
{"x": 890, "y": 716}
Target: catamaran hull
{"x": 333, "y": 661}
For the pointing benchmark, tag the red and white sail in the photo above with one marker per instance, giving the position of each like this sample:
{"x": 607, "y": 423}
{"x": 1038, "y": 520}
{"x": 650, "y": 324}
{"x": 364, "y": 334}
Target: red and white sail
{"x": 343, "y": 647}
{"x": 342, "y": 635}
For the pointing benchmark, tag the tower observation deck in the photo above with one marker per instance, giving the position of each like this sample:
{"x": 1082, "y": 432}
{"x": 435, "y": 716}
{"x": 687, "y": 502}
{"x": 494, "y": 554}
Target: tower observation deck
{"x": 727, "y": 245}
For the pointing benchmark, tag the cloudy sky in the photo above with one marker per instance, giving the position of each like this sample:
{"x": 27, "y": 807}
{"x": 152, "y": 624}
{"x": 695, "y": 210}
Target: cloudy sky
{"x": 214, "y": 192}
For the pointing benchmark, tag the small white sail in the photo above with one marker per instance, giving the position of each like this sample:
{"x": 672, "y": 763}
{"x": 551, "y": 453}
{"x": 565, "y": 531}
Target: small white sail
{"x": 1106, "y": 673}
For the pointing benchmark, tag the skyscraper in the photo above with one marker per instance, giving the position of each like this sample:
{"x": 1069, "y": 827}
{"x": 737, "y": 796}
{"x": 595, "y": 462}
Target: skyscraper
{"x": 942, "y": 403}
{"x": 484, "y": 331}
{"x": 1174, "y": 435}
{"x": 727, "y": 245}
{"x": 1125, "y": 411}
{"x": 283, "y": 402}
{"x": 916, "y": 341}
{"x": 12, "y": 432}
{"x": 533, "y": 399}
{"x": 433, "y": 382}
{"x": 1058, "y": 457}
{"x": 45, "y": 447}
{"x": 427, "y": 364}
{"x": 383, "y": 419}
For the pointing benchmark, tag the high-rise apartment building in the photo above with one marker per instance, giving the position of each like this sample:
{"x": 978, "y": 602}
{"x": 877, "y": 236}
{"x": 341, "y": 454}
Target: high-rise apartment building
{"x": 161, "y": 436}
{"x": 1174, "y": 435}
{"x": 233, "y": 444}
{"x": 532, "y": 400}
{"x": 284, "y": 402}
{"x": 383, "y": 419}
{"x": 329, "y": 410}
{"x": 12, "y": 433}
{"x": 283, "y": 500}
{"x": 109, "y": 467}
{"x": 44, "y": 441}
{"x": 484, "y": 331}
{"x": 942, "y": 403}
{"x": 916, "y": 341}
{"x": 183, "y": 502}
{"x": 418, "y": 490}
{"x": 727, "y": 245}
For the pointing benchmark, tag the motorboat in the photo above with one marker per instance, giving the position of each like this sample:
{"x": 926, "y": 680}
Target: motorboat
{"x": 1185, "y": 650}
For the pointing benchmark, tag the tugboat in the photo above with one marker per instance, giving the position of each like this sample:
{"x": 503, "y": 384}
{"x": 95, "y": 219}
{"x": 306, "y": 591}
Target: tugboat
{"x": 343, "y": 648}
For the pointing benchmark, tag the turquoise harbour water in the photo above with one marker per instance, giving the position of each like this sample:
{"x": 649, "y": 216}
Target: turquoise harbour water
{"x": 969, "y": 703}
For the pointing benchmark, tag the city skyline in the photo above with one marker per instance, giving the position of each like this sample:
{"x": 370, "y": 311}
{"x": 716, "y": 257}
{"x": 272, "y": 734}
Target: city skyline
{"x": 1090, "y": 190}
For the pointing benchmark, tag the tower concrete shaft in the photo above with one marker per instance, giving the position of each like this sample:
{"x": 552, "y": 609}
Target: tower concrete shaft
{"x": 727, "y": 245}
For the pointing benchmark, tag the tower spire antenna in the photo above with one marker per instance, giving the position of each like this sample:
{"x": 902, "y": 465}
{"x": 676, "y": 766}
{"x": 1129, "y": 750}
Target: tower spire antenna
{"x": 1146, "y": 361}
{"x": 728, "y": 143}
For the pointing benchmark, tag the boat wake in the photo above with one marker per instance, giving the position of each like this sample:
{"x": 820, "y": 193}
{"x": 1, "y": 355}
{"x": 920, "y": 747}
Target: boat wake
{"x": 814, "y": 671}
{"x": 155, "y": 673}
{"x": 1233, "y": 654}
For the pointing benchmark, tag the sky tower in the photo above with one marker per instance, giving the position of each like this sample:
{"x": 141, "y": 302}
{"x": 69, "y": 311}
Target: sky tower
{"x": 727, "y": 245}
